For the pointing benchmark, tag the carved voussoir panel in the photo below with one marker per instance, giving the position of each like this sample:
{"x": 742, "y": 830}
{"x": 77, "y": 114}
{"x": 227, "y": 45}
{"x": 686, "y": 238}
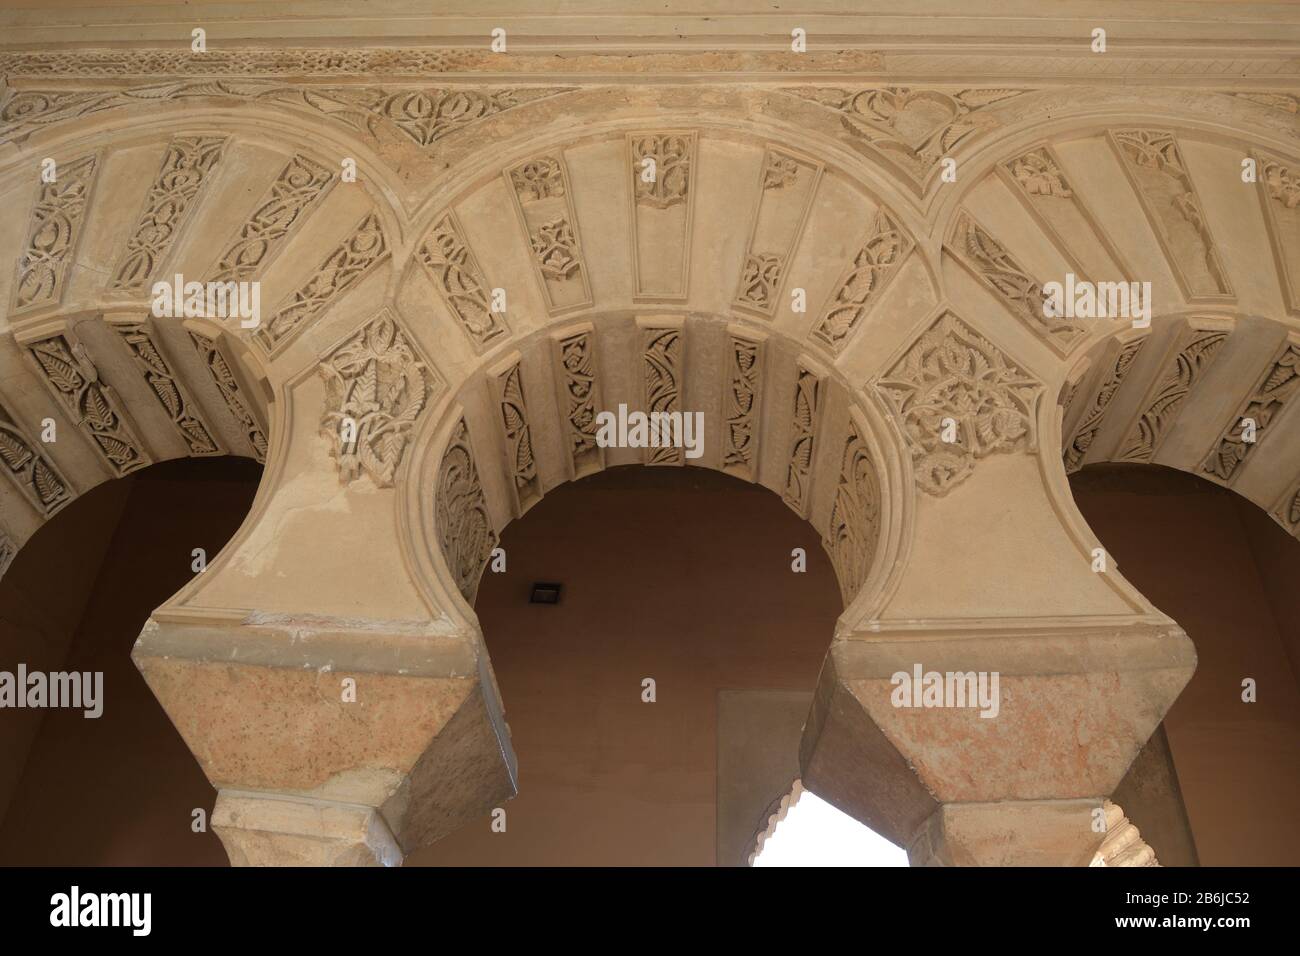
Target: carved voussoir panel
{"x": 1287, "y": 510}
{"x": 376, "y": 386}
{"x": 170, "y": 391}
{"x": 579, "y": 397}
{"x": 73, "y": 378}
{"x": 525, "y": 483}
{"x": 786, "y": 187}
{"x": 797, "y": 489}
{"x": 1196, "y": 350}
{"x": 662, "y": 168}
{"x": 990, "y": 262}
{"x": 1076, "y": 448}
{"x": 168, "y": 207}
{"x": 544, "y": 202}
{"x": 661, "y": 356}
{"x": 854, "y": 526}
{"x": 1275, "y": 389}
{"x": 1155, "y": 167}
{"x": 31, "y": 471}
{"x": 228, "y": 387}
{"x": 363, "y": 249}
{"x": 1279, "y": 194}
{"x": 953, "y": 383}
{"x": 300, "y": 185}
{"x": 863, "y": 282}
{"x": 742, "y": 398}
{"x": 8, "y": 551}
{"x": 52, "y": 235}
{"x": 465, "y": 532}
{"x": 912, "y": 128}
{"x": 460, "y": 281}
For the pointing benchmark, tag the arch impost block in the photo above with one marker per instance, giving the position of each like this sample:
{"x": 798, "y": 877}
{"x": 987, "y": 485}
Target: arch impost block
{"x": 270, "y": 829}
{"x": 906, "y": 719}
{"x": 401, "y": 717}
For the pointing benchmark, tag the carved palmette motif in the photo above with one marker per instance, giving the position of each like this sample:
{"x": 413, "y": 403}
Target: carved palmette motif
{"x": 214, "y": 360}
{"x": 786, "y": 187}
{"x": 460, "y": 281}
{"x": 1278, "y": 386}
{"x": 343, "y": 268}
{"x": 1022, "y": 294}
{"x": 578, "y": 387}
{"x": 465, "y": 531}
{"x": 31, "y": 471}
{"x": 662, "y": 167}
{"x": 661, "y": 357}
{"x": 52, "y": 234}
{"x": 423, "y": 115}
{"x": 376, "y": 386}
{"x": 1090, "y": 424}
{"x": 863, "y": 282}
{"x": 518, "y": 436}
{"x": 668, "y": 157}
{"x": 171, "y": 393}
{"x": 1194, "y": 356}
{"x": 300, "y": 185}
{"x": 954, "y": 381}
{"x": 741, "y": 400}
{"x": 1155, "y": 166}
{"x": 73, "y": 378}
{"x": 168, "y": 206}
{"x": 914, "y": 128}
{"x": 803, "y": 434}
{"x": 854, "y": 526}
{"x": 540, "y": 187}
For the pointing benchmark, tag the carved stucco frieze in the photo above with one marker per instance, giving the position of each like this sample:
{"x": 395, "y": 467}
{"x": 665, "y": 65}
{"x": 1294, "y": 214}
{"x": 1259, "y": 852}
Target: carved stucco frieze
{"x": 954, "y": 381}
{"x": 376, "y": 386}
{"x": 28, "y": 467}
{"x": 465, "y": 532}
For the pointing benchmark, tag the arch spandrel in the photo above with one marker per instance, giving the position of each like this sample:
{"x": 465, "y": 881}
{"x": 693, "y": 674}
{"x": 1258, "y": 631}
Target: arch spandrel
{"x": 377, "y": 293}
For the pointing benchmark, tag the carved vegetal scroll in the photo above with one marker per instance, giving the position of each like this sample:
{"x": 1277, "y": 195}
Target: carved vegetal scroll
{"x": 71, "y": 376}
{"x": 465, "y": 531}
{"x": 854, "y": 526}
{"x": 52, "y": 234}
{"x": 786, "y": 187}
{"x": 741, "y": 403}
{"x": 223, "y": 377}
{"x": 803, "y": 434}
{"x": 376, "y": 386}
{"x": 954, "y": 382}
{"x": 363, "y": 249}
{"x": 999, "y": 272}
{"x": 170, "y": 391}
{"x": 29, "y": 469}
{"x": 1155, "y": 167}
{"x": 544, "y": 202}
{"x": 8, "y": 551}
{"x": 661, "y": 355}
{"x": 459, "y": 279}
{"x": 1279, "y": 194}
{"x": 1196, "y": 350}
{"x": 422, "y": 115}
{"x": 579, "y": 387}
{"x": 1038, "y": 179}
{"x": 1076, "y": 448}
{"x": 1287, "y": 510}
{"x": 508, "y": 386}
{"x": 168, "y": 207}
{"x": 912, "y": 129}
{"x": 863, "y": 282}
{"x": 1123, "y": 844}
{"x": 301, "y": 184}
{"x": 1278, "y": 385}
{"x": 662, "y": 168}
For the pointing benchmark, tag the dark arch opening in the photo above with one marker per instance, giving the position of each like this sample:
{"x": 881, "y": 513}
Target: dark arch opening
{"x": 119, "y": 789}
{"x": 1217, "y": 784}
{"x": 682, "y": 575}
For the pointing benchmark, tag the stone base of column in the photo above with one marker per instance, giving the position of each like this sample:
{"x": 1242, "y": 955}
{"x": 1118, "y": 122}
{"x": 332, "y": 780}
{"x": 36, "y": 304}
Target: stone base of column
{"x": 272, "y": 830}
{"x": 1010, "y": 833}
